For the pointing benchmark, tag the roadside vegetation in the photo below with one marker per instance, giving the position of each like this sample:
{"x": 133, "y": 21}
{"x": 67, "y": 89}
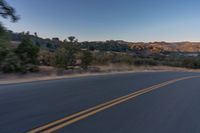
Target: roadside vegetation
{"x": 33, "y": 51}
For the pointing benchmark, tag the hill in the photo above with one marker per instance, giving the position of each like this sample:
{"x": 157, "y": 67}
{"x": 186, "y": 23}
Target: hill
{"x": 191, "y": 47}
{"x": 115, "y": 45}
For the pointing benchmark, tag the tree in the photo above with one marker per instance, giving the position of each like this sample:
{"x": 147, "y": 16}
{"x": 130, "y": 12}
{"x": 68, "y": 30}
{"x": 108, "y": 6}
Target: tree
{"x": 66, "y": 54}
{"x": 28, "y": 54}
{"x": 72, "y": 39}
{"x": 2, "y": 30}
{"x": 6, "y": 11}
{"x": 35, "y": 34}
{"x": 86, "y": 59}
{"x": 4, "y": 44}
{"x": 4, "y": 50}
{"x": 9, "y": 60}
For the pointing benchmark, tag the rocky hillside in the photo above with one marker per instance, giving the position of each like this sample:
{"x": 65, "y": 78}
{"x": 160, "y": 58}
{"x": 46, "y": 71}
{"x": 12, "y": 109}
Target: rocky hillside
{"x": 164, "y": 46}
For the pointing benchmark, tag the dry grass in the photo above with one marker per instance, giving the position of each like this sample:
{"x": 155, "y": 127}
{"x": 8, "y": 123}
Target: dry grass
{"x": 123, "y": 67}
{"x": 50, "y": 73}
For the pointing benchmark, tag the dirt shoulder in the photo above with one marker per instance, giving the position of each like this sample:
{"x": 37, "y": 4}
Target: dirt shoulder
{"x": 49, "y": 73}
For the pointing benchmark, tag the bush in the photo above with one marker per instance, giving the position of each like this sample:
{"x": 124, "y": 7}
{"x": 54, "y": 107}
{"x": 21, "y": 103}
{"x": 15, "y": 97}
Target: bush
{"x": 191, "y": 63}
{"x": 11, "y": 63}
{"x": 86, "y": 59}
{"x": 29, "y": 68}
{"x": 46, "y": 58}
{"x": 106, "y": 58}
{"x": 22, "y": 59}
{"x": 4, "y": 50}
{"x": 145, "y": 61}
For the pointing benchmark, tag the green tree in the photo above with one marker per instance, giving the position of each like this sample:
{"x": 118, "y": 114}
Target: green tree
{"x": 2, "y": 30}
{"x": 28, "y": 54}
{"x": 4, "y": 48}
{"x": 6, "y": 11}
{"x": 86, "y": 59}
{"x": 7, "y": 56}
{"x": 66, "y": 55}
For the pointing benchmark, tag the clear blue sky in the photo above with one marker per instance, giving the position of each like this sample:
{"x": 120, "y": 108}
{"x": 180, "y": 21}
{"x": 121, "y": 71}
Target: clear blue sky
{"x": 130, "y": 20}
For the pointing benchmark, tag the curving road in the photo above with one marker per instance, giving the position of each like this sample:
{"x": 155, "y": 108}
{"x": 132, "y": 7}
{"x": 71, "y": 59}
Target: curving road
{"x": 157, "y": 102}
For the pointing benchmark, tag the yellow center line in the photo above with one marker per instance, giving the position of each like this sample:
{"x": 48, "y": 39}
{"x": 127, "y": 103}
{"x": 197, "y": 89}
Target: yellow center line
{"x": 91, "y": 111}
{"x": 85, "y": 111}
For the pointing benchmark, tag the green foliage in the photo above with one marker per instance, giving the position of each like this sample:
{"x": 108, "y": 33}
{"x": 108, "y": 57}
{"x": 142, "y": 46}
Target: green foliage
{"x": 49, "y": 45}
{"x": 191, "y": 63}
{"x": 145, "y": 61}
{"x": 86, "y": 59}
{"x": 22, "y": 59}
{"x": 38, "y": 44}
{"x": 112, "y": 57}
{"x": 2, "y": 30}
{"x": 65, "y": 56}
{"x": 6, "y": 11}
{"x": 4, "y": 38}
{"x": 60, "y": 60}
{"x": 4, "y": 50}
{"x": 4, "y": 44}
{"x": 11, "y": 63}
{"x": 46, "y": 58}
{"x": 114, "y": 46}
{"x": 28, "y": 54}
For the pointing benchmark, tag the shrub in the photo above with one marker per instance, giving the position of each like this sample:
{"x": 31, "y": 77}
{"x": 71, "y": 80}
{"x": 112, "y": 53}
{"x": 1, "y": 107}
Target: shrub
{"x": 65, "y": 55}
{"x": 191, "y": 63}
{"x": 46, "y": 58}
{"x": 145, "y": 61}
{"x": 86, "y": 59}
{"x": 11, "y": 63}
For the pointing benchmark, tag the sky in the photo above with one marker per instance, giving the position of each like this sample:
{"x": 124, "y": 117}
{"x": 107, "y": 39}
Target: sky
{"x": 99, "y": 20}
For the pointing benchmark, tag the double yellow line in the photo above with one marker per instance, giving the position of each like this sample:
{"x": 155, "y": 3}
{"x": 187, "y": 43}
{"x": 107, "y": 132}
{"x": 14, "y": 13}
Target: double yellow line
{"x": 56, "y": 125}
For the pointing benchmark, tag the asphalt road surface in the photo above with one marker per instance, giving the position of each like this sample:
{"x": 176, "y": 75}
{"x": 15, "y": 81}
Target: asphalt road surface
{"x": 162, "y": 102}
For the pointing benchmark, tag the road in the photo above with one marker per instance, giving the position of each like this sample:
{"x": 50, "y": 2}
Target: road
{"x": 153, "y": 102}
